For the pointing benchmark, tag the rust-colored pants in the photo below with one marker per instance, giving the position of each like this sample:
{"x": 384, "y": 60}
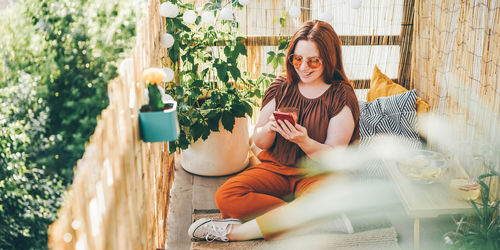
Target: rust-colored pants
{"x": 261, "y": 188}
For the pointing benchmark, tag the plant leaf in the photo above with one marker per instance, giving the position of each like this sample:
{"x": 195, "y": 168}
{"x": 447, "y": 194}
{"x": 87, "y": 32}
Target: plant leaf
{"x": 276, "y": 63}
{"x": 240, "y": 48}
{"x": 228, "y": 121}
{"x": 476, "y": 209}
{"x": 227, "y": 51}
{"x": 282, "y": 22}
{"x": 235, "y": 72}
{"x": 283, "y": 44}
{"x": 239, "y": 109}
{"x": 249, "y": 109}
{"x": 485, "y": 176}
{"x": 213, "y": 118}
{"x": 222, "y": 72}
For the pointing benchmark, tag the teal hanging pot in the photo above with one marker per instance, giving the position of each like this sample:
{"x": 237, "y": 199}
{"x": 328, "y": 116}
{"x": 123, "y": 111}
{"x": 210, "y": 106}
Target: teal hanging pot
{"x": 159, "y": 126}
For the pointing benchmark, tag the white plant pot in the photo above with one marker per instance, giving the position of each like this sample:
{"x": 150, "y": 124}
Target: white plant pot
{"x": 222, "y": 153}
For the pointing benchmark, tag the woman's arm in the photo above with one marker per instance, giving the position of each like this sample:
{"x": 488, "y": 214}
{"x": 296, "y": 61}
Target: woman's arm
{"x": 340, "y": 128}
{"x": 264, "y": 134}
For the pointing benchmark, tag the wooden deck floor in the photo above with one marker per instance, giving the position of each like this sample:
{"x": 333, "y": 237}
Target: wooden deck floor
{"x": 191, "y": 194}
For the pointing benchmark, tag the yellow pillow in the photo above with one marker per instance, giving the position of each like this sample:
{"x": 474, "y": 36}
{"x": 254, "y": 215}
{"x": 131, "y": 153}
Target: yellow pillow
{"x": 382, "y": 86}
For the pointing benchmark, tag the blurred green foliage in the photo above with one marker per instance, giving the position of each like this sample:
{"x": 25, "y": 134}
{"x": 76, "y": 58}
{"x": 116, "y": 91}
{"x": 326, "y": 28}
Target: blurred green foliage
{"x": 29, "y": 197}
{"x": 56, "y": 58}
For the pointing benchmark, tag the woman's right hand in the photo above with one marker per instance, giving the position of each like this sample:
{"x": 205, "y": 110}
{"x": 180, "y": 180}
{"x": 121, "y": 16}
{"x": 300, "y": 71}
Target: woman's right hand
{"x": 265, "y": 129}
{"x": 271, "y": 124}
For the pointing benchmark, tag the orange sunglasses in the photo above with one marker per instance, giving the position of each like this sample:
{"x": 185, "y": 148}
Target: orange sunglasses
{"x": 312, "y": 62}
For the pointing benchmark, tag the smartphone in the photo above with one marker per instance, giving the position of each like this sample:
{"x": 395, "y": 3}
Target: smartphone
{"x": 284, "y": 116}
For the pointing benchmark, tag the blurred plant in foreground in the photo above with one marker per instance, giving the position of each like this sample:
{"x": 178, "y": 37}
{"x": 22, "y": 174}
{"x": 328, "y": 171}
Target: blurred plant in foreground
{"x": 482, "y": 230}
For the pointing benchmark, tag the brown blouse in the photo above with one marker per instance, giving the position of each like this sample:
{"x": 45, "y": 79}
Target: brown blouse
{"x": 314, "y": 115}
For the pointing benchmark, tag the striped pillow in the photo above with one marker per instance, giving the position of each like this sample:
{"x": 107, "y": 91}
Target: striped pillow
{"x": 393, "y": 115}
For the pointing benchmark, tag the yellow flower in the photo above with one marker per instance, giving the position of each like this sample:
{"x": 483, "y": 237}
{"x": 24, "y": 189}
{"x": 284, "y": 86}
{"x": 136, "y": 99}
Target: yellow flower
{"x": 153, "y": 75}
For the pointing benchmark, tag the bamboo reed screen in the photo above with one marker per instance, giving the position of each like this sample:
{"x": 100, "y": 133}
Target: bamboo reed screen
{"x": 370, "y": 34}
{"x": 120, "y": 193}
{"x": 456, "y": 68}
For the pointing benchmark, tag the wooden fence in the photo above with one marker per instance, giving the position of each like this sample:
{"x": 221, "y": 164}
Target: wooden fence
{"x": 120, "y": 193}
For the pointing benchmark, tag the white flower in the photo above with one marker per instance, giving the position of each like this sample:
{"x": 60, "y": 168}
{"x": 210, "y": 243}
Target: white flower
{"x": 243, "y": 2}
{"x": 169, "y": 74}
{"x": 356, "y": 4}
{"x": 208, "y": 17}
{"x": 166, "y": 40}
{"x": 189, "y": 17}
{"x": 169, "y": 9}
{"x": 153, "y": 76}
{"x": 294, "y": 11}
{"x": 226, "y": 13}
{"x": 325, "y": 17}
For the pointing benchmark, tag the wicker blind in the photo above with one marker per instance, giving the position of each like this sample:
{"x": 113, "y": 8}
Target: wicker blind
{"x": 456, "y": 68}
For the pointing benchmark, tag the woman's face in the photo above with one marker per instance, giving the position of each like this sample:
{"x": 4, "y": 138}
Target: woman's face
{"x": 307, "y": 62}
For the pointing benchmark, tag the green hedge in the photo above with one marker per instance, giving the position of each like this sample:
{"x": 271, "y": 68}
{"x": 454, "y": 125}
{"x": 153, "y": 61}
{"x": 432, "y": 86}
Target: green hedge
{"x": 56, "y": 58}
{"x": 28, "y": 196}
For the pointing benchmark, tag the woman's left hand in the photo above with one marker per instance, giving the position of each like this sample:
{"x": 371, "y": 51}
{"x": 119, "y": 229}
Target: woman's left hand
{"x": 296, "y": 134}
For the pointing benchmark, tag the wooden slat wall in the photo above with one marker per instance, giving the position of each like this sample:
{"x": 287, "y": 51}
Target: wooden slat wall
{"x": 405, "y": 45}
{"x": 346, "y": 40}
{"x": 456, "y": 68}
{"x": 262, "y": 36}
{"x": 306, "y": 11}
{"x": 120, "y": 193}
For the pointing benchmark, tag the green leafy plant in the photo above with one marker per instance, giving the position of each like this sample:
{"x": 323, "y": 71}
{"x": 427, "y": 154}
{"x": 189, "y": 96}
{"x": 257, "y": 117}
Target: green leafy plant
{"x": 276, "y": 59}
{"x": 29, "y": 197}
{"x": 209, "y": 87}
{"x": 482, "y": 230}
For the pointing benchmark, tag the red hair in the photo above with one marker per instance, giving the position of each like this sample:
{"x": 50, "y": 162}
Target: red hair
{"x": 329, "y": 46}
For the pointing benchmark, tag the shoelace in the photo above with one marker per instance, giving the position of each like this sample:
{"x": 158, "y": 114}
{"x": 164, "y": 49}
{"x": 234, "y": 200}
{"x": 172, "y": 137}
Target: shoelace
{"x": 217, "y": 233}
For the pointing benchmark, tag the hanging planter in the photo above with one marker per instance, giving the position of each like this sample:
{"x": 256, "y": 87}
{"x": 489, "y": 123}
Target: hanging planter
{"x": 159, "y": 126}
{"x": 158, "y": 118}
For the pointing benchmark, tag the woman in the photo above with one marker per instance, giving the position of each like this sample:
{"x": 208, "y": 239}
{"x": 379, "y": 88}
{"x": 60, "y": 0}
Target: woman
{"x": 328, "y": 116}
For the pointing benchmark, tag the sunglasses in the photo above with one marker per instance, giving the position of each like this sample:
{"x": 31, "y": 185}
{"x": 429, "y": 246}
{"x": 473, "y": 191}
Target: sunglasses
{"x": 312, "y": 62}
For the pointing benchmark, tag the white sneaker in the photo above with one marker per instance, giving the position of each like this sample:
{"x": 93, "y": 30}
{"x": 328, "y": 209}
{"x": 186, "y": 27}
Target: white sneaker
{"x": 210, "y": 230}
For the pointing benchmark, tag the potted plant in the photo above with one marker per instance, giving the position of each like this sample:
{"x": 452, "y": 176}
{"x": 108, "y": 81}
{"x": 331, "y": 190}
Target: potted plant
{"x": 482, "y": 229}
{"x": 157, "y": 118}
{"x": 214, "y": 96}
